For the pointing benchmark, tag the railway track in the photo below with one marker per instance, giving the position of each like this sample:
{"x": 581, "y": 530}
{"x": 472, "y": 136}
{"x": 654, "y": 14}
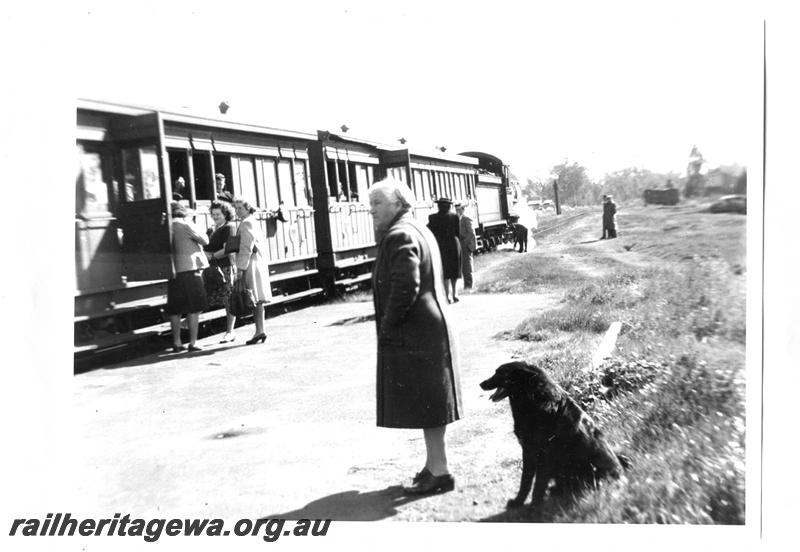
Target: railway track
{"x": 558, "y": 223}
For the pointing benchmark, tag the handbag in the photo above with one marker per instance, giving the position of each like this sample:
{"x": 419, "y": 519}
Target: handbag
{"x": 232, "y": 245}
{"x": 242, "y": 301}
{"x": 213, "y": 278}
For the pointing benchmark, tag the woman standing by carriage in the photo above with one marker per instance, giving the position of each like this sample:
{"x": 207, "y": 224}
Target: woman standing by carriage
{"x": 251, "y": 264}
{"x": 222, "y": 265}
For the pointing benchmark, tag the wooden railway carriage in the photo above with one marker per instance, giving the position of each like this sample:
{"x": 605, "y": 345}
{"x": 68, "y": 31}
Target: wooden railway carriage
{"x": 128, "y": 158}
{"x": 342, "y": 170}
{"x": 432, "y": 175}
{"x": 491, "y": 193}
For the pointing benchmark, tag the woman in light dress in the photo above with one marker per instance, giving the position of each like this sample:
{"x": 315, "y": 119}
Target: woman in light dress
{"x": 251, "y": 264}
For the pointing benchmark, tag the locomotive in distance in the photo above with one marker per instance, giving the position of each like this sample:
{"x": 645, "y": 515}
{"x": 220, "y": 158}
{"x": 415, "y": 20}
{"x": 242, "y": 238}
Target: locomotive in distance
{"x": 310, "y": 192}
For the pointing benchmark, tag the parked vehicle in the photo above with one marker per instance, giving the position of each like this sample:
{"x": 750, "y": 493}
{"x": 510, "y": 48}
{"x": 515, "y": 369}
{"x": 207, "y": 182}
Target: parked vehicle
{"x": 729, "y": 204}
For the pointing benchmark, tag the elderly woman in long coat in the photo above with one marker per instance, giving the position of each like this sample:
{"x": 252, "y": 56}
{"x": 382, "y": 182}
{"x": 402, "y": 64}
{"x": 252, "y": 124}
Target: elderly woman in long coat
{"x": 417, "y": 376}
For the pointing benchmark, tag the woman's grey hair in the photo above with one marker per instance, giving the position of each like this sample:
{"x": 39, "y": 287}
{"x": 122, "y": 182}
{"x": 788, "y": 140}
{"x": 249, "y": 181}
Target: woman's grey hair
{"x": 396, "y": 190}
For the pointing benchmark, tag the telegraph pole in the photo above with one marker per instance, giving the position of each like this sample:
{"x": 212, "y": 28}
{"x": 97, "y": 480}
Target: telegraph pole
{"x": 555, "y": 192}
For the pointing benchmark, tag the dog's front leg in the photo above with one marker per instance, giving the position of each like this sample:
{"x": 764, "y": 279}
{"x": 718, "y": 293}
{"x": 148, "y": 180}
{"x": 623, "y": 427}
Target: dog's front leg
{"x": 542, "y": 479}
{"x": 528, "y": 471}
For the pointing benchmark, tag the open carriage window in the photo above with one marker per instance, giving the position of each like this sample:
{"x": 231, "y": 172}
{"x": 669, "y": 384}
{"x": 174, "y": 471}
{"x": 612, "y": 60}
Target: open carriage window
{"x": 179, "y": 173}
{"x": 141, "y": 175}
{"x": 203, "y": 177}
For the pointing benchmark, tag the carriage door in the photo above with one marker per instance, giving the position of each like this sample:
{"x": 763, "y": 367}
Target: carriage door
{"x": 145, "y": 193}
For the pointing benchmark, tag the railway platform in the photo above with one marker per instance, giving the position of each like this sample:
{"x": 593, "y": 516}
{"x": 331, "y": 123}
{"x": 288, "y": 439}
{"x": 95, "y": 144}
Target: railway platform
{"x": 283, "y": 429}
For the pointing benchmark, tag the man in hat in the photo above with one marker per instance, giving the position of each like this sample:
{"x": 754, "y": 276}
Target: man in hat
{"x": 469, "y": 243}
{"x": 609, "y": 218}
{"x": 444, "y": 226}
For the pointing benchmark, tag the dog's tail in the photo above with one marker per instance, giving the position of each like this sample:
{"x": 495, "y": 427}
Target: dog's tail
{"x": 625, "y": 461}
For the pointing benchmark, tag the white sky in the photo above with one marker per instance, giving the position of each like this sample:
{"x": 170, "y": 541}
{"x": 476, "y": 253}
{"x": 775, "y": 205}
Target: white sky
{"x": 608, "y": 87}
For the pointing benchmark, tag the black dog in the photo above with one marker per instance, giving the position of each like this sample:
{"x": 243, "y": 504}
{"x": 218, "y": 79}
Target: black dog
{"x": 559, "y": 440}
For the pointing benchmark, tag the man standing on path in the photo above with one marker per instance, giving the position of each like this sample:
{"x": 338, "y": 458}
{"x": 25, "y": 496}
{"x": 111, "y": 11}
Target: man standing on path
{"x": 609, "y": 218}
{"x": 469, "y": 243}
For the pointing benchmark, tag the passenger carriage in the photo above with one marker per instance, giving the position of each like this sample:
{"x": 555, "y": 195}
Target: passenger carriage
{"x": 128, "y": 160}
{"x": 342, "y": 170}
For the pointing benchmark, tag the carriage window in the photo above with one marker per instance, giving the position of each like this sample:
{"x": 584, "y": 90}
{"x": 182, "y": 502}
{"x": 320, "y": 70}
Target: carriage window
{"x": 91, "y": 190}
{"x": 285, "y": 182}
{"x": 301, "y": 187}
{"x": 141, "y": 174}
{"x": 179, "y": 173}
{"x": 203, "y": 179}
{"x": 416, "y": 183}
{"x": 271, "y": 183}
{"x": 341, "y": 170}
{"x": 333, "y": 190}
{"x": 398, "y": 173}
{"x": 424, "y": 186}
{"x": 247, "y": 180}
{"x": 352, "y": 181}
{"x": 362, "y": 179}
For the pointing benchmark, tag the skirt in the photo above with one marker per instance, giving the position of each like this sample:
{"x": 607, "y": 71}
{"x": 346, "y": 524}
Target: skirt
{"x": 221, "y": 295}
{"x": 186, "y": 293}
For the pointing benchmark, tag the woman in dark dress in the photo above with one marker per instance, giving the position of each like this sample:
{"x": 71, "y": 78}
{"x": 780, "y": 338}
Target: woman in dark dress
{"x": 444, "y": 226}
{"x": 222, "y": 213}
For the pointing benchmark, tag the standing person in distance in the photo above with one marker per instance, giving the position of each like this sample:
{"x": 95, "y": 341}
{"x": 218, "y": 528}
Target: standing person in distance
{"x": 609, "y": 218}
{"x": 444, "y": 226}
{"x": 222, "y": 214}
{"x": 251, "y": 264}
{"x": 417, "y": 369}
{"x": 186, "y": 293}
{"x": 469, "y": 243}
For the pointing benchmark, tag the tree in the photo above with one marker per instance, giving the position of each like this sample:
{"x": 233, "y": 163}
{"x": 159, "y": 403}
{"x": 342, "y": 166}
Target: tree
{"x": 572, "y": 180}
{"x": 534, "y": 190}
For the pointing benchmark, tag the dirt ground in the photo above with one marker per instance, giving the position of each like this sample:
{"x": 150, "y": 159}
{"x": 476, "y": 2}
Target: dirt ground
{"x": 287, "y": 429}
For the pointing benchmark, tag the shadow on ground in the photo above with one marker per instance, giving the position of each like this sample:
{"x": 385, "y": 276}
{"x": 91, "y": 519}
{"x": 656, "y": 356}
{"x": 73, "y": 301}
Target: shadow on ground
{"x": 354, "y": 320}
{"x": 352, "y": 506}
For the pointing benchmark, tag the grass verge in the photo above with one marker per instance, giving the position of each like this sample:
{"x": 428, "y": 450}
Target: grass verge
{"x": 672, "y": 396}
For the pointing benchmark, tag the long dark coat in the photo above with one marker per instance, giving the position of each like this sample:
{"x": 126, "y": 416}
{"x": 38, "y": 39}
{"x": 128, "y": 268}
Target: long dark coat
{"x": 418, "y": 383}
{"x": 444, "y": 227}
{"x": 609, "y": 218}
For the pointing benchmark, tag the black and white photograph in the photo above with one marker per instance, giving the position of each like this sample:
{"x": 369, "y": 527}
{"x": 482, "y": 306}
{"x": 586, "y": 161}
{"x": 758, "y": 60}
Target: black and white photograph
{"x": 364, "y": 274}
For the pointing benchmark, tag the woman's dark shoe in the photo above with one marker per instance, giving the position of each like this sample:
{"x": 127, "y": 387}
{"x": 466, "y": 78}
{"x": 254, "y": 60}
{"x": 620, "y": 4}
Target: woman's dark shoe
{"x": 262, "y": 337}
{"x": 194, "y": 348}
{"x": 431, "y": 484}
{"x": 178, "y": 348}
{"x": 420, "y": 474}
